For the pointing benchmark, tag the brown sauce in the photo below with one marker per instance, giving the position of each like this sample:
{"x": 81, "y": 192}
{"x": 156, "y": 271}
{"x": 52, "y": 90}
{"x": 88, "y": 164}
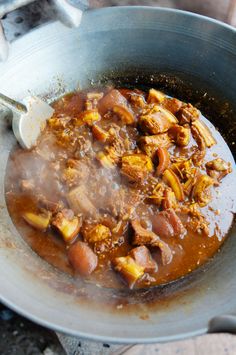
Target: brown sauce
{"x": 68, "y": 136}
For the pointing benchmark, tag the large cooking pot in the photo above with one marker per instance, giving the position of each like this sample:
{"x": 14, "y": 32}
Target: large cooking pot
{"x": 188, "y": 55}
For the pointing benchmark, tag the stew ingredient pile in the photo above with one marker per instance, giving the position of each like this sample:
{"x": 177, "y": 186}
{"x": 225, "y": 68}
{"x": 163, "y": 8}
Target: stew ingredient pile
{"x": 118, "y": 188}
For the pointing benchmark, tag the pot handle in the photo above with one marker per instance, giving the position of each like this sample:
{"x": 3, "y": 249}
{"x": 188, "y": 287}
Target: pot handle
{"x": 223, "y": 324}
{"x": 68, "y": 12}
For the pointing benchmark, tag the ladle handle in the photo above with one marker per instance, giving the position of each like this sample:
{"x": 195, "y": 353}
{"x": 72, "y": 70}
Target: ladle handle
{"x": 12, "y": 104}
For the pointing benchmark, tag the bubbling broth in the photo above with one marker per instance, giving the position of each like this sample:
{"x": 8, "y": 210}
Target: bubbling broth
{"x": 124, "y": 188}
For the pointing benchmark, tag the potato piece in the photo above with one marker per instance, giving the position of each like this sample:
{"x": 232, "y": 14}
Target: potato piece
{"x": 204, "y": 132}
{"x": 156, "y": 96}
{"x": 124, "y": 113}
{"x": 156, "y": 119}
{"x": 79, "y": 201}
{"x": 39, "y": 221}
{"x": 172, "y": 180}
{"x": 129, "y": 269}
{"x": 99, "y": 134}
{"x": 136, "y": 167}
{"x": 181, "y": 135}
{"x": 97, "y": 233}
{"x": 67, "y": 224}
{"x": 201, "y": 192}
{"x": 82, "y": 258}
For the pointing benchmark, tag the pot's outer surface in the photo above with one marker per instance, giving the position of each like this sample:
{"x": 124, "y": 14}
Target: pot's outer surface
{"x": 58, "y": 58}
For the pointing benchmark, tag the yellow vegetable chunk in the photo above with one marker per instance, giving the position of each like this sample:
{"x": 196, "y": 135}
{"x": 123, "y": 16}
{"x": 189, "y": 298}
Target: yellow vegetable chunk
{"x": 67, "y": 224}
{"x": 172, "y": 180}
{"x": 129, "y": 269}
{"x": 105, "y": 160}
{"x": 38, "y": 221}
{"x": 90, "y": 116}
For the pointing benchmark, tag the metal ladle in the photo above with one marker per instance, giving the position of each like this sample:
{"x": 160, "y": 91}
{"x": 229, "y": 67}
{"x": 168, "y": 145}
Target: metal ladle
{"x": 29, "y": 118}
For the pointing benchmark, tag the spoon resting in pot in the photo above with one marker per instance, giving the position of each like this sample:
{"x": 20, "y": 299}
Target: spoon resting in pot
{"x": 29, "y": 118}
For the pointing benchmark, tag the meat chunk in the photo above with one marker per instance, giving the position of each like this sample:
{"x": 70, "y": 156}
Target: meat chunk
{"x": 142, "y": 256}
{"x": 136, "y": 167}
{"x": 218, "y": 168}
{"x": 172, "y": 104}
{"x": 111, "y": 99}
{"x": 187, "y": 114}
{"x": 82, "y": 258}
{"x": 167, "y": 224}
{"x": 159, "y": 140}
{"x": 156, "y": 119}
{"x": 137, "y": 100}
{"x": 161, "y": 225}
{"x": 95, "y": 233}
{"x": 114, "y": 151}
{"x": 50, "y": 205}
{"x": 150, "y": 144}
{"x": 143, "y": 236}
{"x": 129, "y": 269}
{"x": 67, "y": 224}
{"x": 79, "y": 202}
{"x": 176, "y": 223}
{"x": 180, "y": 134}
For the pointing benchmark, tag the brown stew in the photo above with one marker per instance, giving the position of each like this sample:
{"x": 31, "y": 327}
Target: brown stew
{"x": 120, "y": 188}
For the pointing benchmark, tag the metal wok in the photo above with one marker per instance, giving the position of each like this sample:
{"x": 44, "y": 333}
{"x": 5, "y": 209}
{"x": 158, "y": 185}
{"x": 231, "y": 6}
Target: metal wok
{"x": 185, "y": 54}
